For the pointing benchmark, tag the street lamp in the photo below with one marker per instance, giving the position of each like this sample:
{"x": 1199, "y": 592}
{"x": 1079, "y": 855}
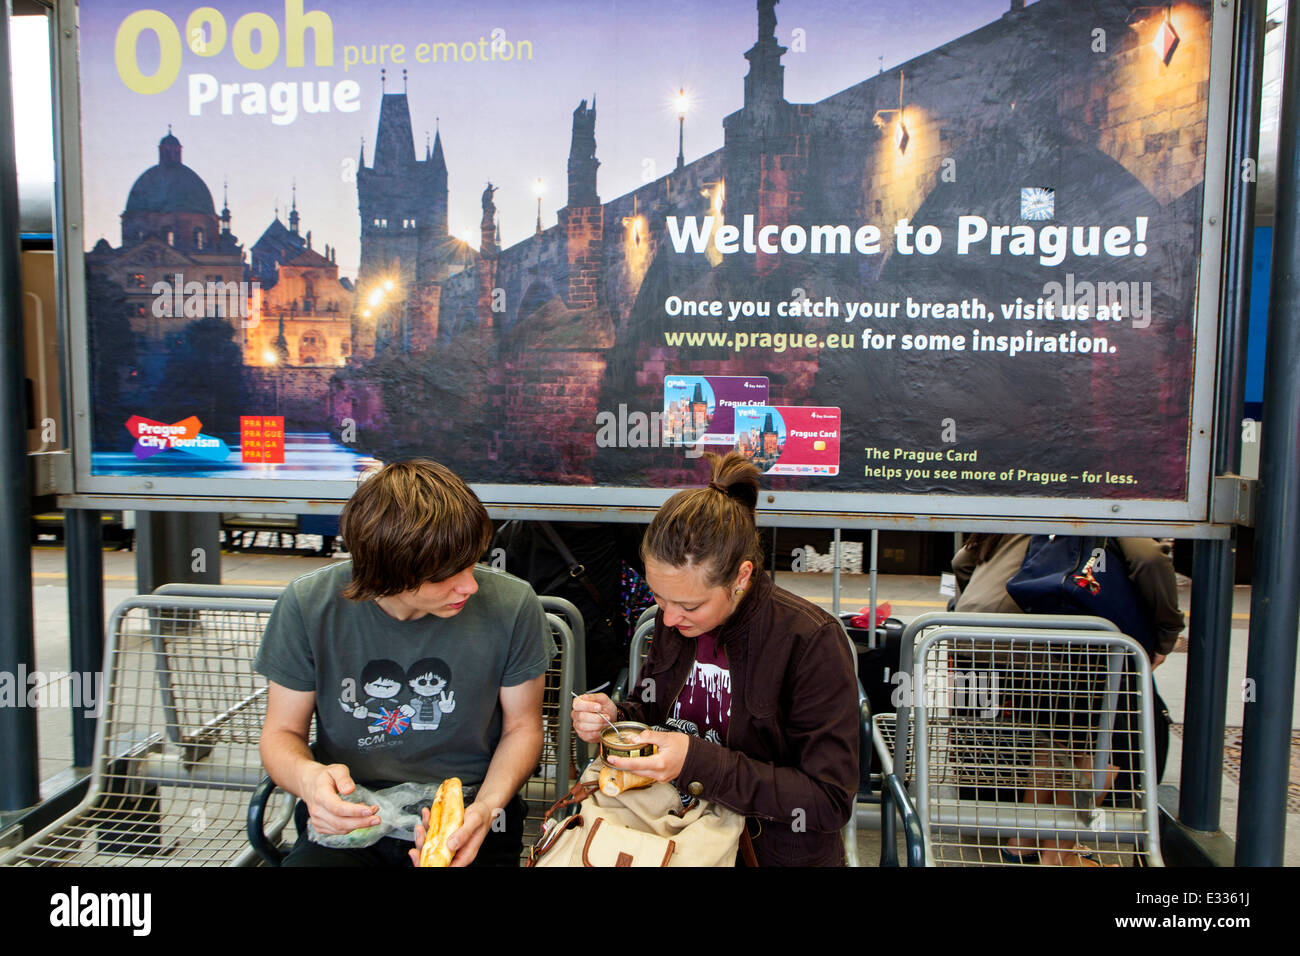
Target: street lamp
{"x": 681, "y": 102}
{"x": 1165, "y": 39}
{"x": 378, "y": 300}
{"x": 882, "y": 118}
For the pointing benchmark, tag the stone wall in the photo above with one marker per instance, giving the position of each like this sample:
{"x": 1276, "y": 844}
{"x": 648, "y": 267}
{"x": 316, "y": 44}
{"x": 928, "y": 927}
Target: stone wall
{"x": 296, "y": 393}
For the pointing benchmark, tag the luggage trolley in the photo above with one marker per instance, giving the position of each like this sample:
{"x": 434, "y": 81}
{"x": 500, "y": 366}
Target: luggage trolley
{"x": 176, "y": 751}
{"x": 1031, "y": 727}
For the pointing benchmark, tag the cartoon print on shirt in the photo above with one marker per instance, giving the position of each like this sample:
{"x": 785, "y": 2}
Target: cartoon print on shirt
{"x": 711, "y": 684}
{"x": 429, "y": 679}
{"x": 382, "y": 681}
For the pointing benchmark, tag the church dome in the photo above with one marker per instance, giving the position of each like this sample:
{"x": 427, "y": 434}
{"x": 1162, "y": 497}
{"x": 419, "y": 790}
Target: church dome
{"x": 171, "y": 186}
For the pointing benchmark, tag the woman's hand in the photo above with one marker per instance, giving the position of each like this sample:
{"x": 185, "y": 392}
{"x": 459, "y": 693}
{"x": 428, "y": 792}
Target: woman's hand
{"x": 586, "y": 724}
{"x": 666, "y": 765}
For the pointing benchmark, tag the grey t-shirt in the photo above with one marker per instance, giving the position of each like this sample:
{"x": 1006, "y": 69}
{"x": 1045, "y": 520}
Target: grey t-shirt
{"x": 400, "y": 701}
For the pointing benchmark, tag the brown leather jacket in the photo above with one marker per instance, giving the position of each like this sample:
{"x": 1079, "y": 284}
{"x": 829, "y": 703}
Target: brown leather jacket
{"x": 791, "y": 760}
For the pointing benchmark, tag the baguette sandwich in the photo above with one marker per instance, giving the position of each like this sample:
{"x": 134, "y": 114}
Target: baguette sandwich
{"x": 445, "y": 817}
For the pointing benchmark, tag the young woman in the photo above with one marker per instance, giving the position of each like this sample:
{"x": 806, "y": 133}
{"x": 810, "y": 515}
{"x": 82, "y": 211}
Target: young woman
{"x": 754, "y": 684}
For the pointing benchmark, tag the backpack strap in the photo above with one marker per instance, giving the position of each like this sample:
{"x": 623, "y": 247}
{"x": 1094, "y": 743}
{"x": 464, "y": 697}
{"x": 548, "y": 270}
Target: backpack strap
{"x": 551, "y": 834}
{"x": 747, "y": 847}
{"x": 577, "y": 793}
{"x": 578, "y": 571}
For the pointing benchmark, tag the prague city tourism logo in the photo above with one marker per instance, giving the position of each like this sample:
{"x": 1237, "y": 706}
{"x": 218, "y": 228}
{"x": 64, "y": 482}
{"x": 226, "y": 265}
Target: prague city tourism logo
{"x": 153, "y": 437}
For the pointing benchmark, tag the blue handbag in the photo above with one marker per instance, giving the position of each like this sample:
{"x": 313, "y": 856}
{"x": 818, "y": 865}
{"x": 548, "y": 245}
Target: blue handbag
{"x": 1071, "y": 574}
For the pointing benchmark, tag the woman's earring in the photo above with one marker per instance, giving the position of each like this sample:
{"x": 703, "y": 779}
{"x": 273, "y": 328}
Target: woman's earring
{"x": 738, "y": 592}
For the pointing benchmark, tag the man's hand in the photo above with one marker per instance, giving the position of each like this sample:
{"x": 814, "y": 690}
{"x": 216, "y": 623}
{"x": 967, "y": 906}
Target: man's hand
{"x": 666, "y": 765}
{"x": 586, "y": 722}
{"x": 512, "y": 763}
{"x": 1157, "y": 660}
{"x": 330, "y": 813}
{"x": 465, "y": 842}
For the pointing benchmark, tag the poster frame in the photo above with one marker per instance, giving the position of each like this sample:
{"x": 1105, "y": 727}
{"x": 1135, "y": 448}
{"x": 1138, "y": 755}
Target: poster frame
{"x": 1190, "y": 517}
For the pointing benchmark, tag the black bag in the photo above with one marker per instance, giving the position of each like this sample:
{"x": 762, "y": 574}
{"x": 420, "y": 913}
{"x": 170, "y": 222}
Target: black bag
{"x": 1163, "y": 723}
{"x": 1071, "y": 574}
{"x": 877, "y": 668}
{"x": 582, "y": 562}
{"x": 1128, "y": 741}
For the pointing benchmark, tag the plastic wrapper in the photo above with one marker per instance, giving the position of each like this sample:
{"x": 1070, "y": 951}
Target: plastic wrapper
{"x": 399, "y": 812}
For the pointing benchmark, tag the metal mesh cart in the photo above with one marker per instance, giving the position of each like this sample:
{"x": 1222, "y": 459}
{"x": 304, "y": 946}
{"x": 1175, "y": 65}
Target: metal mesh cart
{"x": 1031, "y": 742}
{"x": 176, "y": 751}
{"x": 555, "y": 773}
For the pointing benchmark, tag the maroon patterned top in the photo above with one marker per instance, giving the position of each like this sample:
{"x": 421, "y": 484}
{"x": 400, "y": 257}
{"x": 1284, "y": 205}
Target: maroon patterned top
{"x": 703, "y": 708}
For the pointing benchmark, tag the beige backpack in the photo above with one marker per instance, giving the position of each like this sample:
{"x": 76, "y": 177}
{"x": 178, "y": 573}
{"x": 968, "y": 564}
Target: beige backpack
{"x": 644, "y": 827}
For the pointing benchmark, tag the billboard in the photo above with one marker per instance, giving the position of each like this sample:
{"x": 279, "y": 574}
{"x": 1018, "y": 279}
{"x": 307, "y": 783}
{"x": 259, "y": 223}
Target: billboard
{"x": 921, "y": 258}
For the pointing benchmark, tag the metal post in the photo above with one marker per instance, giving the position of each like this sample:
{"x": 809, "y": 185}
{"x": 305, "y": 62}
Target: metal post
{"x": 871, "y": 602}
{"x": 19, "y": 774}
{"x": 176, "y": 546}
{"x": 835, "y": 598}
{"x": 1275, "y": 596}
{"x": 1201, "y": 783}
{"x": 85, "y": 559}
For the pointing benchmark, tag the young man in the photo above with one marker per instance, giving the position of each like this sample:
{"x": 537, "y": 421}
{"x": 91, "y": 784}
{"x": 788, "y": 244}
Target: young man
{"x": 417, "y": 664}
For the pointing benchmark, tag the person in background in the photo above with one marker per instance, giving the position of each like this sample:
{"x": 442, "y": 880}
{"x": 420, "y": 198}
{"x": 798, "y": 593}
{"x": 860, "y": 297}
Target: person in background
{"x": 984, "y": 565}
{"x": 986, "y": 562}
{"x": 753, "y": 686}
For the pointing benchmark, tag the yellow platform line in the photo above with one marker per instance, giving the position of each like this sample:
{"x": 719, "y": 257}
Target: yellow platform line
{"x": 256, "y": 582}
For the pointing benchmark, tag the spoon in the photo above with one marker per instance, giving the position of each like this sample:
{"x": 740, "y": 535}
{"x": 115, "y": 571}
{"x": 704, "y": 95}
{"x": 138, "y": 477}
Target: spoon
{"x": 617, "y": 733}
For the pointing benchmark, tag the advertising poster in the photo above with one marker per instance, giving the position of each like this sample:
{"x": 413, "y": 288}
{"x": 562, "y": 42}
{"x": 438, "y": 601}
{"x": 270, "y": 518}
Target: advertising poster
{"x": 913, "y": 247}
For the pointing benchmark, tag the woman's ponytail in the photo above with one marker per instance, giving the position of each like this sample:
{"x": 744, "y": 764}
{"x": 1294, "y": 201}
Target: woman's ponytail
{"x": 712, "y": 527}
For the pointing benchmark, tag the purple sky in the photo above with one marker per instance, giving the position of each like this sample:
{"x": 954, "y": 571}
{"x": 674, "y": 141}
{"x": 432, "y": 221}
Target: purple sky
{"x": 509, "y": 122}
